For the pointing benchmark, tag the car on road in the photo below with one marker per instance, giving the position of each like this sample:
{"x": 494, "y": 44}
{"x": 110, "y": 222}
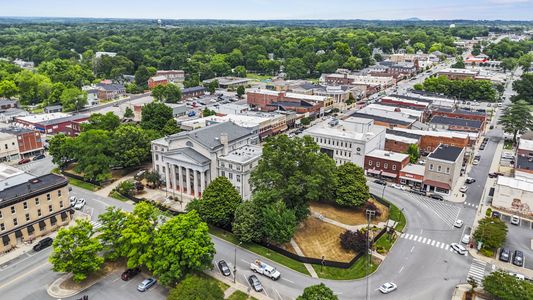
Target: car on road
{"x": 436, "y": 197}
{"x": 459, "y": 249}
{"x": 470, "y": 180}
{"x": 79, "y": 204}
{"x": 505, "y": 255}
{"x": 495, "y": 174}
{"x": 518, "y": 258}
{"x": 496, "y": 214}
{"x": 130, "y": 273}
{"x": 44, "y": 243}
{"x": 379, "y": 181}
{"x": 418, "y": 192}
{"x": 73, "y": 200}
{"x": 146, "y": 284}
{"x": 40, "y": 156}
{"x": 223, "y": 267}
{"x": 255, "y": 283}
{"x": 24, "y": 161}
{"x": 463, "y": 189}
{"x": 458, "y": 223}
{"x": 465, "y": 239}
{"x": 388, "y": 287}
{"x": 398, "y": 186}
{"x": 515, "y": 220}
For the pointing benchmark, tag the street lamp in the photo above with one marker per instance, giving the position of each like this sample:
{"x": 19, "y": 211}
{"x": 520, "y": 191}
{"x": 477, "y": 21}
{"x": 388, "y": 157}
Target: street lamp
{"x": 235, "y": 263}
{"x": 370, "y": 213}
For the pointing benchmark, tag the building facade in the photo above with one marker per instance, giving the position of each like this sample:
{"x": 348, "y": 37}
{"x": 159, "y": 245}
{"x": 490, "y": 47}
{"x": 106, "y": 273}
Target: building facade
{"x": 514, "y": 195}
{"x": 29, "y": 141}
{"x": 9, "y": 150}
{"x": 443, "y": 168}
{"x": 385, "y": 164}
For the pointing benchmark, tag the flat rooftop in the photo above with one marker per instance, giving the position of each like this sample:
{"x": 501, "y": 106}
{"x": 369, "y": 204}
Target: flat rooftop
{"x": 526, "y": 145}
{"x": 244, "y": 154}
{"x": 388, "y": 155}
{"x": 51, "y": 118}
{"x": 345, "y": 130}
{"x": 514, "y": 183}
{"x": 448, "y": 153}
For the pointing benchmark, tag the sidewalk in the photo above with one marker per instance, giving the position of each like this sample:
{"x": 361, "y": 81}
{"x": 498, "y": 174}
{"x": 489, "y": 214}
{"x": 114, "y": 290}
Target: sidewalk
{"x": 236, "y": 286}
{"x": 309, "y": 268}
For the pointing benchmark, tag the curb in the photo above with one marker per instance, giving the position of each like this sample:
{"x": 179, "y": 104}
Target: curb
{"x": 51, "y": 290}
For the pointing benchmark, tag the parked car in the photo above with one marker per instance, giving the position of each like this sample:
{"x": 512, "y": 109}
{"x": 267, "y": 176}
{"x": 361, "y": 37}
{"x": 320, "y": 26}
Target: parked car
{"x": 398, "y": 186}
{"x": 482, "y": 147}
{"x": 388, "y": 287}
{"x": 146, "y": 284}
{"x": 505, "y": 255}
{"x": 458, "y": 223}
{"x": 223, "y": 267}
{"x": 436, "y": 197}
{"x": 40, "y": 156}
{"x": 463, "y": 189}
{"x": 255, "y": 283}
{"x": 518, "y": 258}
{"x": 44, "y": 243}
{"x": 496, "y": 214}
{"x": 495, "y": 174}
{"x": 459, "y": 249}
{"x": 379, "y": 181}
{"x": 470, "y": 180}
{"x": 73, "y": 200}
{"x": 515, "y": 220}
{"x": 465, "y": 239}
{"x": 24, "y": 161}
{"x": 418, "y": 192}
{"x": 130, "y": 273}
{"x": 79, "y": 204}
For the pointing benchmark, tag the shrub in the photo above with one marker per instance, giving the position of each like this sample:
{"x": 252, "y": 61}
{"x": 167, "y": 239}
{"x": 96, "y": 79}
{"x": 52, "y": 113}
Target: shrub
{"x": 489, "y": 212}
{"x": 354, "y": 240}
{"x": 372, "y": 206}
{"x": 126, "y": 188}
{"x": 487, "y": 252}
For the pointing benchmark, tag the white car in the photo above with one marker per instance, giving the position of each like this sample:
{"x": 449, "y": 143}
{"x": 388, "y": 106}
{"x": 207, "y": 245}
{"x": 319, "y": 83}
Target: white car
{"x": 388, "y": 287}
{"x": 80, "y": 204}
{"x": 398, "y": 186}
{"x": 463, "y": 189}
{"x": 73, "y": 200}
{"x": 458, "y": 223}
{"x": 475, "y": 162}
{"x": 465, "y": 239}
{"x": 459, "y": 249}
{"x": 515, "y": 220}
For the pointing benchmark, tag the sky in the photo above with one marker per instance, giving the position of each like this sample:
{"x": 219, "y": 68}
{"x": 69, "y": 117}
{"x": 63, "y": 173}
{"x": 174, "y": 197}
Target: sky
{"x": 273, "y": 9}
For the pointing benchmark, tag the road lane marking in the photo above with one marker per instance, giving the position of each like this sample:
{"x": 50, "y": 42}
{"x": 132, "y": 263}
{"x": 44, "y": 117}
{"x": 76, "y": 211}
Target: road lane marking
{"x": 21, "y": 276}
{"x": 412, "y": 249}
{"x": 278, "y": 294}
{"x": 401, "y": 269}
{"x": 245, "y": 261}
{"x": 287, "y": 280}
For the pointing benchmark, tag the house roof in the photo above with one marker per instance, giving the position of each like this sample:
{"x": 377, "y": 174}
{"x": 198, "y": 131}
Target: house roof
{"x": 110, "y": 86}
{"x": 448, "y": 153}
{"x": 524, "y": 163}
{"x": 16, "y": 130}
{"x": 455, "y": 122}
{"x": 7, "y": 102}
{"x": 34, "y": 185}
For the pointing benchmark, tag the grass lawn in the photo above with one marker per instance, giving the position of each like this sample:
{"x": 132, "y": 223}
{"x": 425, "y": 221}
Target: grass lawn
{"x": 346, "y": 215}
{"x": 221, "y": 284}
{"x": 260, "y": 250}
{"x": 257, "y": 76}
{"x": 508, "y": 145}
{"x": 356, "y": 271}
{"x": 238, "y": 295}
{"x": 385, "y": 242}
{"x": 317, "y": 239}
{"x": 397, "y": 215}
{"x": 118, "y": 196}
{"x": 82, "y": 184}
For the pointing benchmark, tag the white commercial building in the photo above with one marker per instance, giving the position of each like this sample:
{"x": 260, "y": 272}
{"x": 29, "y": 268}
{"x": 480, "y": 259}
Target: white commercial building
{"x": 348, "y": 140}
{"x": 514, "y": 195}
{"x": 237, "y": 167}
{"x": 406, "y": 111}
{"x": 188, "y": 161}
{"x": 9, "y": 147}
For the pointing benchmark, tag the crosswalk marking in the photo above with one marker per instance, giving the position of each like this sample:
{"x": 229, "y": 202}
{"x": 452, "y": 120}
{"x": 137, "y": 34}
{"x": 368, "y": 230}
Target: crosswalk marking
{"x": 419, "y": 239}
{"x": 433, "y": 243}
{"x": 437, "y": 245}
{"x": 429, "y": 241}
{"x": 447, "y": 247}
{"x": 424, "y": 240}
{"x": 477, "y": 270}
{"x": 471, "y": 205}
{"x": 96, "y": 224}
{"x": 447, "y": 212}
{"x": 411, "y": 237}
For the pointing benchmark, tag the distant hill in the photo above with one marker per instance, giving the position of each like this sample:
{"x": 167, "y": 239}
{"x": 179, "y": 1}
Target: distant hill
{"x": 415, "y": 19}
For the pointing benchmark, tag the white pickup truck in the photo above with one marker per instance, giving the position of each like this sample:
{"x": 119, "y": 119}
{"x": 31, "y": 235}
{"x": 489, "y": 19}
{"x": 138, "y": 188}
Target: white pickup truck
{"x": 267, "y": 270}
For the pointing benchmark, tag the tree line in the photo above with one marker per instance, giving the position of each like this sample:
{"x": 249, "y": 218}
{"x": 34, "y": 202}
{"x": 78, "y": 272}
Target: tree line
{"x": 470, "y": 89}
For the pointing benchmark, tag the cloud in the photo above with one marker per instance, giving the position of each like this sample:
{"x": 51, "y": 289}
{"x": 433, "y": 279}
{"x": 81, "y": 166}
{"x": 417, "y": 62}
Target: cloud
{"x": 508, "y": 1}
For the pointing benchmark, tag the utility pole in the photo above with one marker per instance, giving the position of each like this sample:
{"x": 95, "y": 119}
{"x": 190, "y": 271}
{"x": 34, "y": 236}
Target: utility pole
{"x": 235, "y": 263}
{"x": 369, "y": 213}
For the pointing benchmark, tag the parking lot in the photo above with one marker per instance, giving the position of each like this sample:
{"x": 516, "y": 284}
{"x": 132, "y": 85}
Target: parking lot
{"x": 519, "y": 237}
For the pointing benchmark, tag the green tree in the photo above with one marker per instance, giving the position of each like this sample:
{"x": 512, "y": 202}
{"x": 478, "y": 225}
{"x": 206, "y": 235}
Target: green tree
{"x": 171, "y": 127}
{"x": 153, "y": 177}
{"x": 172, "y": 93}
{"x": 350, "y": 186}
{"x": 353, "y": 63}
{"x": 507, "y": 287}
{"x": 278, "y": 223}
{"x": 508, "y": 63}
{"x": 130, "y": 145}
{"x": 419, "y": 46}
{"x": 62, "y": 149}
{"x": 240, "y": 71}
{"x": 128, "y": 113}
{"x": 181, "y": 245}
{"x": 414, "y": 153}
{"x": 247, "y": 224}
{"x": 219, "y": 202}
{"x": 212, "y": 86}
{"x": 137, "y": 236}
{"x": 295, "y": 171}
{"x": 8, "y": 89}
{"x": 126, "y": 187}
{"x": 94, "y": 155}
{"x": 305, "y": 121}
{"x": 108, "y": 122}
{"x": 516, "y": 118}
{"x": 196, "y": 287}
{"x": 351, "y": 99}
{"x": 73, "y": 99}
{"x": 317, "y": 292}
{"x": 459, "y": 63}
{"x": 525, "y": 61}
{"x": 240, "y": 91}
{"x": 492, "y": 232}
{"x": 295, "y": 68}
{"x": 76, "y": 251}
{"x": 158, "y": 93}
{"x": 113, "y": 221}
{"x": 524, "y": 88}
{"x": 155, "y": 115}
{"x": 142, "y": 75}
{"x": 207, "y": 112}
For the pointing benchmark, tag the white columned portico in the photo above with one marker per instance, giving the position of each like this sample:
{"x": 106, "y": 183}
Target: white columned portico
{"x": 196, "y": 192}
{"x": 180, "y": 178}
{"x": 188, "y": 178}
{"x": 174, "y": 186}
{"x": 167, "y": 179}
{"x": 202, "y": 181}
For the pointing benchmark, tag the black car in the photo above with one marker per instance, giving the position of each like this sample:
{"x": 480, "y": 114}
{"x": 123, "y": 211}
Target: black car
{"x": 470, "y": 180}
{"x": 482, "y": 147}
{"x": 436, "y": 197}
{"x": 505, "y": 255}
{"x": 518, "y": 258}
{"x": 44, "y": 243}
{"x": 255, "y": 283}
{"x": 40, "y": 156}
{"x": 379, "y": 181}
{"x": 223, "y": 267}
{"x": 130, "y": 273}
{"x": 496, "y": 214}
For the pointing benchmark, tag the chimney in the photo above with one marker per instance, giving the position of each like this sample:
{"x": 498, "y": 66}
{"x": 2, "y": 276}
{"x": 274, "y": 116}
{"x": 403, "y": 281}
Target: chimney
{"x": 224, "y": 140}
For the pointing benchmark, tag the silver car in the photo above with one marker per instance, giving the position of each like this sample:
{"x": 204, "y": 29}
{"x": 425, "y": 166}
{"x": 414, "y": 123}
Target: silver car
{"x": 146, "y": 284}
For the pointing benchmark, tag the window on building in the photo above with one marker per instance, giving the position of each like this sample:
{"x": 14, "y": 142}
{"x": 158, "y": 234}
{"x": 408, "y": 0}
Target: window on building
{"x": 6, "y": 146}
{"x": 230, "y": 166}
{"x": 15, "y": 222}
{"x": 369, "y": 162}
{"x": 2, "y": 227}
{"x": 238, "y": 178}
{"x": 431, "y": 167}
{"x": 385, "y": 165}
{"x": 61, "y": 204}
{"x": 27, "y": 217}
{"x": 59, "y": 193}
{"x": 50, "y": 208}
{"x": 439, "y": 168}
{"x": 48, "y": 197}
{"x": 13, "y": 209}
{"x": 222, "y": 173}
{"x": 230, "y": 175}
{"x": 377, "y": 164}
{"x": 163, "y": 168}
{"x": 157, "y": 157}
{"x": 447, "y": 170}
{"x": 25, "y": 204}
{"x": 39, "y": 213}
{"x": 1, "y": 214}
{"x": 394, "y": 167}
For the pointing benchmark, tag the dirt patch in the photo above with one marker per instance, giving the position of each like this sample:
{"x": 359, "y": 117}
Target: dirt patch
{"x": 107, "y": 268}
{"x": 316, "y": 239}
{"x": 348, "y": 216}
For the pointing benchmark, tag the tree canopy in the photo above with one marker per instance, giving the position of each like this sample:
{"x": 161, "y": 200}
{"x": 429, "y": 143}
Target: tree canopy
{"x": 507, "y": 287}
{"x": 317, "y": 292}
{"x": 350, "y": 186}
{"x": 516, "y": 118}
{"x": 196, "y": 287}
{"x": 492, "y": 232}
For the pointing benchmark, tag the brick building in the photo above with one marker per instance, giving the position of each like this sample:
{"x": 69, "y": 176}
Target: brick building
{"x": 29, "y": 141}
{"x": 460, "y": 114}
{"x": 457, "y": 74}
{"x": 456, "y": 124}
{"x": 266, "y": 100}
{"x": 385, "y": 164}
{"x": 172, "y": 75}
{"x": 525, "y": 148}
{"x": 196, "y": 91}
{"x": 157, "y": 80}
{"x": 400, "y": 142}
{"x": 108, "y": 91}
{"x": 406, "y": 103}
{"x": 430, "y": 139}
{"x": 51, "y": 123}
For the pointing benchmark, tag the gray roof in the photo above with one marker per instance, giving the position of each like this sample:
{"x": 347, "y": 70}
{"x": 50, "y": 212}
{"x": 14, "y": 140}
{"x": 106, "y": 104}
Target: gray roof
{"x": 210, "y": 136}
{"x": 14, "y": 112}
{"x": 456, "y": 122}
{"x": 111, "y": 87}
{"x": 34, "y": 186}
{"x": 188, "y": 153}
{"x": 404, "y": 134}
{"x": 194, "y": 89}
{"x": 7, "y": 102}
{"x": 444, "y": 152}
{"x": 379, "y": 118}
{"x": 53, "y": 107}
{"x": 524, "y": 163}
{"x": 460, "y": 111}
{"x": 16, "y": 130}
{"x": 63, "y": 119}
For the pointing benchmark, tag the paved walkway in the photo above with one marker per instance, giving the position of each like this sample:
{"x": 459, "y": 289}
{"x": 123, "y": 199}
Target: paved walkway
{"x": 348, "y": 227}
{"x": 299, "y": 251}
{"x": 236, "y": 286}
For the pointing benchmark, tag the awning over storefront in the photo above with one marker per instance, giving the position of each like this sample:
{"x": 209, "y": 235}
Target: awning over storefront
{"x": 372, "y": 171}
{"x": 411, "y": 179}
{"x": 438, "y": 184}
{"x": 387, "y": 174}
{"x": 42, "y": 225}
{"x": 30, "y": 229}
{"x": 18, "y": 233}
